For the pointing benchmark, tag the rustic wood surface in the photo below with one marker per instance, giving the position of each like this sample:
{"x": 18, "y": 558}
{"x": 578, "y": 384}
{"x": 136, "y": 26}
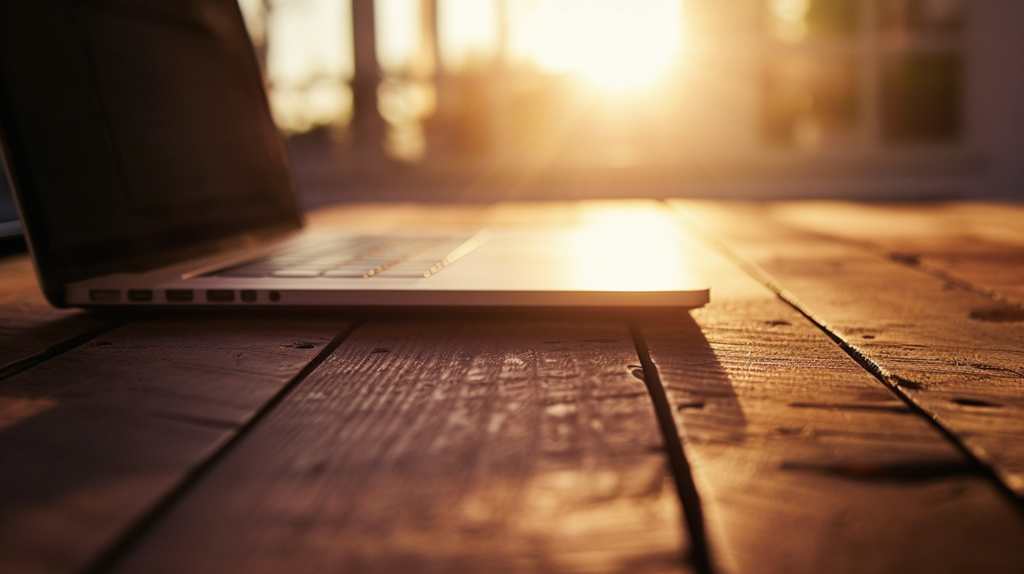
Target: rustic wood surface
{"x": 742, "y": 437}
{"x": 120, "y": 421}
{"x": 443, "y": 446}
{"x": 30, "y": 328}
{"x": 978, "y": 246}
{"x": 797, "y": 450}
{"x": 954, "y": 352}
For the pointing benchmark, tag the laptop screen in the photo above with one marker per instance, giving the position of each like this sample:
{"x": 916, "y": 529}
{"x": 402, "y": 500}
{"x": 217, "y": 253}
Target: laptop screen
{"x": 136, "y": 128}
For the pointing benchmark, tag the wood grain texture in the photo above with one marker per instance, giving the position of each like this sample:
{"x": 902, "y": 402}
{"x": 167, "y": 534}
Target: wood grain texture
{"x": 121, "y": 420}
{"x": 805, "y": 462}
{"x": 28, "y": 324}
{"x": 442, "y": 446}
{"x": 519, "y": 445}
{"x": 979, "y": 246}
{"x": 933, "y": 340}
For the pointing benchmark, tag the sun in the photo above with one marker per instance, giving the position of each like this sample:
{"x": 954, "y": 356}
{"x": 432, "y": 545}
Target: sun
{"x": 615, "y": 44}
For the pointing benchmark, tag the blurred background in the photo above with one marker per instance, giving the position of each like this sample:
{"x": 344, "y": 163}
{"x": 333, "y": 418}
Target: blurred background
{"x": 483, "y": 100}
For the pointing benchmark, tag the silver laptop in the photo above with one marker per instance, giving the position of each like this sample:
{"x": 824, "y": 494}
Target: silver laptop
{"x": 148, "y": 171}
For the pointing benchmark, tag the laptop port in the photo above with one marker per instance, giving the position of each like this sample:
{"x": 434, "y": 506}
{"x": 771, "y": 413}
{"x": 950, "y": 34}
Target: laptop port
{"x": 179, "y": 295}
{"x": 140, "y": 295}
{"x": 104, "y": 295}
{"x": 220, "y": 295}
{"x": 248, "y": 295}
{"x": 274, "y": 296}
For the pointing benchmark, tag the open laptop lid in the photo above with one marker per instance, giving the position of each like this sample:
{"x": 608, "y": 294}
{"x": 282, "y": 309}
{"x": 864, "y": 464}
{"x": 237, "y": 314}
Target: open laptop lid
{"x": 136, "y": 132}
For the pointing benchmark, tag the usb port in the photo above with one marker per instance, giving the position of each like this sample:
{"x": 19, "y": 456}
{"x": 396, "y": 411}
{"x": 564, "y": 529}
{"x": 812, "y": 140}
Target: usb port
{"x": 140, "y": 295}
{"x": 220, "y": 295}
{"x": 179, "y": 295}
{"x": 104, "y": 295}
{"x": 248, "y": 295}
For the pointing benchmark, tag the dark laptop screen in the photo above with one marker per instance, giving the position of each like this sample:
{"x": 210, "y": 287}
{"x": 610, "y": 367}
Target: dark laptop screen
{"x": 135, "y": 128}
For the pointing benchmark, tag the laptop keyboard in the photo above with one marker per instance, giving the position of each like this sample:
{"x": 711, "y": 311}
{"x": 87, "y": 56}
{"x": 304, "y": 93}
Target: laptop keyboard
{"x": 361, "y": 257}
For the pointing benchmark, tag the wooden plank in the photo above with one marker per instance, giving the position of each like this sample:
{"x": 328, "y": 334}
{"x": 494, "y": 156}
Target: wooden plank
{"x": 29, "y": 326}
{"x": 929, "y": 338}
{"x": 978, "y": 246}
{"x": 439, "y": 446}
{"x": 119, "y": 422}
{"x": 803, "y": 461}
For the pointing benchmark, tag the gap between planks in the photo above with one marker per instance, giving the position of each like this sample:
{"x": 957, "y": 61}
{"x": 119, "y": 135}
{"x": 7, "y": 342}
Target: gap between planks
{"x": 136, "y": 531}
{"x": 804, "y": 461}
{"x": 689, "y": 497}
{"x": 31, "y": 330}
{"x": 126, "y": 418}
{"x": 433, "y": 446}
{"x": 55, "y": 350}
{"x": 977, "y": 246}
{"x": 863, "y": 360}
{"x": 993, "y": 454}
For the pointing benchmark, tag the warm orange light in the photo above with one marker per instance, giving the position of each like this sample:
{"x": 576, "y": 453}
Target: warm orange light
{"x": 789, "y": 18}
{"x": 611, "y": 43}
{"x": 627, "y": 250}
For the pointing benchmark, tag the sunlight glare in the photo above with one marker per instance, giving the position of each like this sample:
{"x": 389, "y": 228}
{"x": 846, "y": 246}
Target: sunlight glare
{"x": 403, "y": 42}
{"x": 468, "y": 32}
{"x": 309, "y": 62}
{"x": 611, "y": 43}
{"x": 627, "y": 250}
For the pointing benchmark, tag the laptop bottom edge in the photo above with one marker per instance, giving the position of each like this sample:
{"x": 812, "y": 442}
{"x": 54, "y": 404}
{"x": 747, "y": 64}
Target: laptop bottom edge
{"x": 104, "y": 297}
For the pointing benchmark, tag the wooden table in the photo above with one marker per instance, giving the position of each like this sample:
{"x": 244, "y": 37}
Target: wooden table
{"x": 852, "y": 400}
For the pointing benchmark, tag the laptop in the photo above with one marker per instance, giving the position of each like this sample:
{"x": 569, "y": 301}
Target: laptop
{"x": 148, "y": 171}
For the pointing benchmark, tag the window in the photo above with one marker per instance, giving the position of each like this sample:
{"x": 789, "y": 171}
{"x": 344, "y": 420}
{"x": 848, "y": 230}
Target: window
{"x": 863, "y": 73}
